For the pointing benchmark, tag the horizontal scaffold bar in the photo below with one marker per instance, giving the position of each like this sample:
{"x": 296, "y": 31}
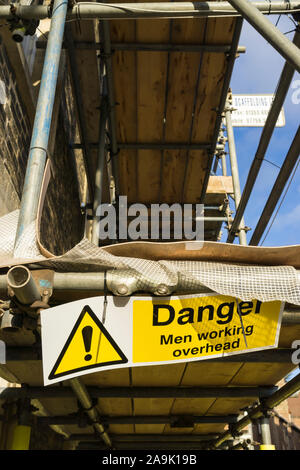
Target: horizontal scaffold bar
{"x": 174, "y": 420}
{"x": 91, "y": 10}
{"x": 146, "y": 437}
{"x": 150, "y": 47}
{"x": 146, "y": 446}
{"x": 140, "y": 392}
{"x": 151, "y": 146}
{"x": 280, "y": 355}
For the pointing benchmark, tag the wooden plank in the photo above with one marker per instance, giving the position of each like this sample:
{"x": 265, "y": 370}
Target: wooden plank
{"x": 192, "y": 406}
{"x": 116, "y": 407}
{"x": 230, "y": 405}
{"x": 113, "y": 406}
{"x": 261, "y": 374}
{"x": 220, "y": 185}
{"x": 152, "y": 69}
{"x": 165, "y": 375}
{"x": 202, "y": 374}
{"x": 151, "y": 80}
{"x": 182, "y": 84}
{"x": 208, "y": 374}
{"x": 213, "y": 70}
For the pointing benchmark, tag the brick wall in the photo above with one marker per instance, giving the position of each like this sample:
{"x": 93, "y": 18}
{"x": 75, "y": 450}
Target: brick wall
{"x": 14, "y": 137}
{"x": 62, "y": 222}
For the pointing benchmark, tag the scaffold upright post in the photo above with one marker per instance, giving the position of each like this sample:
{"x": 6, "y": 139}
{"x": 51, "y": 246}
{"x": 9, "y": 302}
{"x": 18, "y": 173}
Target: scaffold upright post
{"x": 234, "y": 166}
{"x": 266, "y": 434}
{"x": 42, "y": 122}
{"x": 100, "y": 164}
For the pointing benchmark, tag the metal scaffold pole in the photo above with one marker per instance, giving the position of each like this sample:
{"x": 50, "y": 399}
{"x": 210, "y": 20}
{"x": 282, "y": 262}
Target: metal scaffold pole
{"x": 266, "y": 135}
{"x": 42, "y": 123}
{"x": 288, "y": 166}
{"x": 100, "y": 165}
{"x": 266, "y": 434}
{"x": 107, "y": 11}
{"x": 234, "y": 167}
{"x": 272, "y": 34}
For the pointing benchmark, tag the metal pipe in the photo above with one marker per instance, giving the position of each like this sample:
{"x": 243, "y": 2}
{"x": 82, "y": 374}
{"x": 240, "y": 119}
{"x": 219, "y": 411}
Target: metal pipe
{"x": 182, "y": 392}
{"x": 145, "y": 47}
{"x": 170, "y": 419}
{"x": 162, "y": 146}
{"x": 234, "y": 169}
{"x": 93, "y": 281}
{"x": 22, "y": 430}
{"x": 137, "y": 392}
{"x": 82, "y": 394}
{"x": 281, "y": 180}
{"x": 151, "y": 47}
{"x": 21, "y": 437}
{"x": 265, "y": 431}
{"x": 146, "y": 446}
{"x": 151, "y": 146}
{"x": 281, "y": 356}
{"x": 75, "y": 282}
{"x": 211, "y": 219}
{"x": 91, "y": 10}
{"x": 104, "y": 31}
{"x": 42, "y": 122}
{"x": 224, "y": 166}
{"x": 243, "y": 445}
{"x": 273, "y": 35}
{"x": 147, "y": 437}
{"x": 20, "y": 280}
{"x": 267, "y": 132}
{"x": 100, "y": 166}
{"x": 230, "y": 63}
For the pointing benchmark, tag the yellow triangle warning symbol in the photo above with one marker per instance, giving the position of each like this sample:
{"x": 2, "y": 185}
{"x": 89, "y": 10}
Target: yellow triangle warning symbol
{"x": 88, "y": 346}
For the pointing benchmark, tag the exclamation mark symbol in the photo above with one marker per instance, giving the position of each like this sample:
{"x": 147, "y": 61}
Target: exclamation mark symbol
{"x": 87, "y": 333}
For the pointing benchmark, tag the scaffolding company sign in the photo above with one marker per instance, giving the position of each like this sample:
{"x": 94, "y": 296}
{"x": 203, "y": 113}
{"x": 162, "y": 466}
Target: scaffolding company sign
{"x": 252, "y": 111}
{"x": 92, "y": 335}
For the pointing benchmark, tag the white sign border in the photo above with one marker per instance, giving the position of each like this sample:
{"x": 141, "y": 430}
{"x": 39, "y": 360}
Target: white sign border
{"x": 66, "y": 316}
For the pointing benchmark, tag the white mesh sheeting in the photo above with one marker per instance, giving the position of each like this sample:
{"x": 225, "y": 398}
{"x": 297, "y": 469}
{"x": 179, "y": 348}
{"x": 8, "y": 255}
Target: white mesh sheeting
{"x": 247, "y": 282}
{"x": 264, "y": 283}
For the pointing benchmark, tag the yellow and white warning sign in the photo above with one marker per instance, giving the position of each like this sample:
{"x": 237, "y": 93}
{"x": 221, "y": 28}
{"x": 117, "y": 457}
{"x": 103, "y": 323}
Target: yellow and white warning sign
{"x": 89, "y": 335}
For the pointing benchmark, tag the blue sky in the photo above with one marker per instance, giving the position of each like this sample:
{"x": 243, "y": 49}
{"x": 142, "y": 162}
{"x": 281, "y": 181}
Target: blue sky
{"x": 258, "y": 71}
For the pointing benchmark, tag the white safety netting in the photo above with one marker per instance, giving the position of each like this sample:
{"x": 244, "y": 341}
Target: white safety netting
{"x": 246, "y": 282}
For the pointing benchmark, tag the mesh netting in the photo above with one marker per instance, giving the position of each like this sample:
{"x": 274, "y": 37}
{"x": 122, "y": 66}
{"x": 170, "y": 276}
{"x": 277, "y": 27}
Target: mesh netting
{"x": 246, "y": 282}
